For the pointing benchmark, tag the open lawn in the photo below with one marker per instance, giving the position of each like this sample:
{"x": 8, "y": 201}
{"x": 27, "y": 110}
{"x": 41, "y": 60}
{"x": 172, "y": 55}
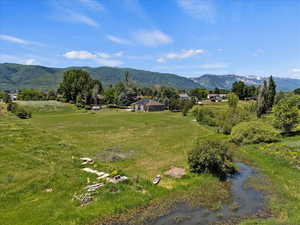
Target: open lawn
{"x": 40, "y": 169}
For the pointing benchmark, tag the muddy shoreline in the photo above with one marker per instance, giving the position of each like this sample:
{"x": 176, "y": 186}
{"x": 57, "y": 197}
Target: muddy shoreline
{"x": 245, "y": 202}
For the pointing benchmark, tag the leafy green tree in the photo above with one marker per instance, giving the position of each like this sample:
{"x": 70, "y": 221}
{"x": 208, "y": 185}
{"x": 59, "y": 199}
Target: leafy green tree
{"x": 198, "y": 93}
{"x": 297, "y": 91}
{"x": 186, "y": 106}
{"x": 242, "y": 90}
{"x": 212, "y": 156}
{"x": 51, "y": 95}
{"x": 30, "y": 94}
{"x": 285, "y": 116}
{"x": 280, "y": 95}
{"x": 238, "y": 88}
{"x": 233, "y": 100}
{"x": 6, "y": 98}
{"x": 204, "y": 115}
{"x": 231, "y": 117}
{"x": 79, "y": 83}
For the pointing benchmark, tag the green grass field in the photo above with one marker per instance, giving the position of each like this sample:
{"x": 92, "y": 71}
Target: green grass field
{"x": 42, "y": 154}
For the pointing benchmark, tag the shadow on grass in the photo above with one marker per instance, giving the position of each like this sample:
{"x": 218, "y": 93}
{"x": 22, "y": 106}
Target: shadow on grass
{"x": 291, "y": 133}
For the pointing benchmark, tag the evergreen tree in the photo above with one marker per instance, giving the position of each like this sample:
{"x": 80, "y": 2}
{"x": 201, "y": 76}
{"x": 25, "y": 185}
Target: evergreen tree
{"x": 271, "y": 93}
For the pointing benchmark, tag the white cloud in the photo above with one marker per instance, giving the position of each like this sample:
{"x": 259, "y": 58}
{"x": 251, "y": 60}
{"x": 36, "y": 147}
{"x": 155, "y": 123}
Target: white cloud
{"x": 104, "y": 55}
{"x": 106, "y": 62}
{"x": 71, "y": 11}
{"x": 17, "y": 40}
{"x": 80, "y": 18}
{"x": 13, "y": 39}
{"x": 92, "y": 4}
{"x": 79, "y": 55}
{"x": 101, "y": 58}
{"x": 258, "y": 52}
{"x": 117, "y": 40}
{"x": 152, "y": 38}
{"x": 214, "y": 66}
{"x": 199, "y": 9}
{"x": 295, "y": 70}
{"x": 119, "y": 54}
{"x": 180, "y": 55}
{"x": 30, "y": 61}
{"x": 18, "y": 59}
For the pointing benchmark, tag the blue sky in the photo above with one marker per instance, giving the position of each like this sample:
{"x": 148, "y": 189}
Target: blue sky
{"x": 186, "y": 37}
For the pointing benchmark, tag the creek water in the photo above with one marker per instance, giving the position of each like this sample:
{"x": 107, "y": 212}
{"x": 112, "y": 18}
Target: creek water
{"x": 245, "y": 202}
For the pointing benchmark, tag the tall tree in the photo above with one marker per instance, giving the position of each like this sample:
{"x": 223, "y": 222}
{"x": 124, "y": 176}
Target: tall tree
{"x": 297, "y": 91}
{"x": 285, "y": 115}
{"x": 262, "y": 106}
{"x": 238, "y": 88}
{"x": 78, "y": 83}
{"x": 271, "y": 92}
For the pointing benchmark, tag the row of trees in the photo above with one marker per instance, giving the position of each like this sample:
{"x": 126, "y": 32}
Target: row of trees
{"x": 78, "y": 87}
{"x": 244, "y": 91}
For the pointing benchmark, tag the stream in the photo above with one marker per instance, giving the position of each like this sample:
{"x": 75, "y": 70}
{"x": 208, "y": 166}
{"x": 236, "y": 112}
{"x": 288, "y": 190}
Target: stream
{"x": 246, "y": 202}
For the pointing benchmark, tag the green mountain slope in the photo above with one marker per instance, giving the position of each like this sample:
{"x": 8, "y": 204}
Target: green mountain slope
{"x": 16, "y": 76}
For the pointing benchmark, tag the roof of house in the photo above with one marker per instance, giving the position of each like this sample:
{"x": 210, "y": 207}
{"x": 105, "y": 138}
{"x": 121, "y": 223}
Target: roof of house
{"x": 147, "y": 102}
{"x": 184, "y": 95}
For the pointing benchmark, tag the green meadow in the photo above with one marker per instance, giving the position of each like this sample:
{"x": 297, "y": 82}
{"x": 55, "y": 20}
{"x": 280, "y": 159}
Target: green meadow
{"x": 40, "y": 170}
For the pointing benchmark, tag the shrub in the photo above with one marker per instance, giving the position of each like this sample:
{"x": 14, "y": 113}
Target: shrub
{"x": 285, "y": 116}
{"x": 19, "y": 111}
{"x": 233, "y": 100}
{"x": 253, "y": 132}
{"x": 250, "y": 106}
{"x": 187, "y": 105}
{"x": 204, "y": 115}
{"x": 22, "y": 113}
{"x": 12, "y": 107}
{"x": 212, "y": 156}
{"x": 230, "y": 118}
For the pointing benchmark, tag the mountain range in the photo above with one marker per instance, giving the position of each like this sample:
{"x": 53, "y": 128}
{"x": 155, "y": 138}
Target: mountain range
{"x": 18, "y": 76}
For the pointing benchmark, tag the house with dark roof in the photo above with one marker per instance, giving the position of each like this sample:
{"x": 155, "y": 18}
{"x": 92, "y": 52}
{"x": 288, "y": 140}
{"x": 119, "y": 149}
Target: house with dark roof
{"x": 147, "y": 105}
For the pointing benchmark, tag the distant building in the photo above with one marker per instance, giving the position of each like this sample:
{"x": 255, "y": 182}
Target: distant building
{"x": 217, "y": 97}
{"x": 96, "y": 107}
{"x": 147, "y": 105}
{"x": 13, "y": 97}
{"x": 184, "y": 96}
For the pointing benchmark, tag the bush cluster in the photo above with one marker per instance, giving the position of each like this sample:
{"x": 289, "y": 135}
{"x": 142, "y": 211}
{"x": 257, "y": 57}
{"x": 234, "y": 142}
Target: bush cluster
{"x": 230, "y": 118}
{"x": 254, "y": 132}
{"x": 212, "y": 156}
{"x": 19, "y": 111}
{"x": 204, "y": 115}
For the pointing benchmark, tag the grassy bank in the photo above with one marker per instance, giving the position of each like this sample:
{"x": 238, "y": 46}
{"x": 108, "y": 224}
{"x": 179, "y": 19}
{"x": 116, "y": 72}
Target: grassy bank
{"x": 278, "y": 163}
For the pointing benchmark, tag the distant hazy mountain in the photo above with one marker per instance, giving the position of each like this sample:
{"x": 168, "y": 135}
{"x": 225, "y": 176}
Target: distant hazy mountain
{"x": 211, "y": 81}
{"x": 17, "y": 76}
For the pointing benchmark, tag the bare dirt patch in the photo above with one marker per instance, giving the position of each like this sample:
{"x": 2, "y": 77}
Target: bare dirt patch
{"x": 175, "y": 172}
